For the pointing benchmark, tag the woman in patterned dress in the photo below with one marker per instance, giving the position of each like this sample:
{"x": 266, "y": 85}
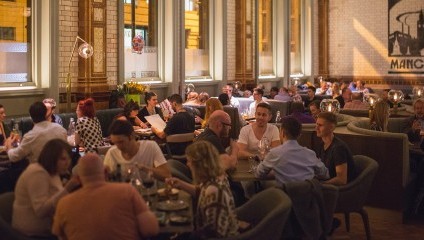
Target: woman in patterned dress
{"x": 88, "y": 132}
{"x": 215, "y": 215}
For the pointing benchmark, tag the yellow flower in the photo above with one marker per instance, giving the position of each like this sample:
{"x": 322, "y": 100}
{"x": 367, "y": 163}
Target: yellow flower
{"x": 132, "y": 87}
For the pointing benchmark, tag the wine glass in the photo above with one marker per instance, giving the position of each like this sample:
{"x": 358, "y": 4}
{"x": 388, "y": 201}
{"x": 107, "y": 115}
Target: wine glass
{"x": 263, "y": 146}
{"x": 148, "y": 182}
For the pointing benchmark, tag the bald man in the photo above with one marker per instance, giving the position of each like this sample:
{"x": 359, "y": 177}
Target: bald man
{"x": 102, "y": 210}
{"x": 219, "y": 127}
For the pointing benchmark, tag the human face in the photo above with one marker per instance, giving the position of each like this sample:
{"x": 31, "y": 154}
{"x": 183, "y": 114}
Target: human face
{"x": 225, "y": 127}
{"x": 63, "y": 163}
{"x": 324, "y": 128}
{"x": 262, "y": 116}
{"x": 311, "y": 94}
{"x": 2, "y": 114}
{"x": 229, "y": 91}
{"x": 153, "y": 101}
{"x": 133, "y": 113}
{"x": 314, "y": 110}
{"x": 122, "y": 142}
{"x": 419, "y": 109}
{"x": 347, "y": 95}
{"x": 257, "y": 96}
{"x": 79, "y": 113}
{"x": 49, "y": 112}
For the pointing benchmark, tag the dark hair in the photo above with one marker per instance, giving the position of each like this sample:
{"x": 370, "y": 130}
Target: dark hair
{"x": 291, "y": 127}
{"x": 265, "y": 105}
{"x": 329, "y": 117}
{"x": 1, "y": 106}
{"x": 345, "y": 89}
{"x": 87, "y": 107}
{"x": 259, "y": 90}
{"x": 129, "y": 107}
{"x": 224, "y": 99}
{"x": 51, "y": 153}
{"x": 121, "y": 127}
{"x": 176, "y": 98}
{"x": 315, "y": 103}
{"x": 148, "y": 96}
{"x": 312, "y": 88}
{"x": 38, "y": 111}
{"x": 275, "y": 89}
{"x": 297, "y": 107}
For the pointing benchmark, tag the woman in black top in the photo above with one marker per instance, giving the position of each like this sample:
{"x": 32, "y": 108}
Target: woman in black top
{"x": 131, "y": 109}
{"x": 150, "y": 109}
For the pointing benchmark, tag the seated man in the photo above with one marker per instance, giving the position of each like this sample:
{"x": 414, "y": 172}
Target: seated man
{"x": 102, "y": 210}
{"x": 291, "y": 162}
{"x": 258, "y": 93}
{"x": 128, "y": 152}
{"x": 298, "y": 112}
{"x": 181, "y": 122}
{"x": 357, "y": 103}
{"x": 334, "y": 152}
{"x": 252, "y": 134}
{"x": 311, "y": 96}
{"x": 415, "y": 123}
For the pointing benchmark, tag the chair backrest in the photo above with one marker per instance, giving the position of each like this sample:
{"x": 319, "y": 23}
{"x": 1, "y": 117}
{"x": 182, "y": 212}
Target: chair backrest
{"x": 6, "y": 206}
{"x": 353, "y": 195}
{"x": 268, "y": 212}
{"x": 180, "y": 138}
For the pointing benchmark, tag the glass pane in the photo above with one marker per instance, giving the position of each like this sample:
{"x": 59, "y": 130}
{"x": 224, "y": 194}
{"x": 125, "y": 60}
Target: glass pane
{"x": 266, "y": 61}
{"x": 140, "y": 28}
{"x": 196, "y": 25}
{"x": 295, "y": 37}
{"x": 15, "y": 41}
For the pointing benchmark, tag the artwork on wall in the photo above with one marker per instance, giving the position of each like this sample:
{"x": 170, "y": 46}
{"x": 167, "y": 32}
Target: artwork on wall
{"x": 406, "y": 36}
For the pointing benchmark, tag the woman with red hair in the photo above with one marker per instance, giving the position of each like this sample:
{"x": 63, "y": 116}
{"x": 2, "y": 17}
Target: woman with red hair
{"x": 88, "y": 132}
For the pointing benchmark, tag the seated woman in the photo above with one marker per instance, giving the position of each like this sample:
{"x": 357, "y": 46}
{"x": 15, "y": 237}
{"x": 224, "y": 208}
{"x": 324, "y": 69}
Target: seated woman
{"x": 88, "y": 132}
{"x": 3, "y": 135}
{"x": 212, "y": 104}
{"x": 380, "y": 116}
{"x": 215, "y": 214}
{"x": 150, "y": 109}
{"x": 130, "y": 113}
{"x": 39, "y": 188}
{"x": 200, "y": 100}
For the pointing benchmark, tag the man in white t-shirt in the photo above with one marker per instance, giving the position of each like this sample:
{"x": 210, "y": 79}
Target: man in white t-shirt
{"x": 251, "y": 135}
{"x": 258, "y": 93}
{"x": 128, "y": 152}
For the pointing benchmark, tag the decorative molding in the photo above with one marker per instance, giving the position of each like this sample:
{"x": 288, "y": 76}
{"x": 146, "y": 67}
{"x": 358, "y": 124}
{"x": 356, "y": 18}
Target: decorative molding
{"x": 98, "y": 14}
{"x": 323, "y": 51}
{"x": 98, "y": 46}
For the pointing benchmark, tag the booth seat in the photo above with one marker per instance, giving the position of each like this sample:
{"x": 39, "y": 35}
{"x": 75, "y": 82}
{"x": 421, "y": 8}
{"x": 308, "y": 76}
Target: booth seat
{"x": 105, "y": 117}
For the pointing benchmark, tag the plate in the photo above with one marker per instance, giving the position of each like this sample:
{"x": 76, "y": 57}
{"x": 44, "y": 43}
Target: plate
{"x": 143, "y": 130}
{"x": 179, "y": 219}
{"x": 172, "y": 205}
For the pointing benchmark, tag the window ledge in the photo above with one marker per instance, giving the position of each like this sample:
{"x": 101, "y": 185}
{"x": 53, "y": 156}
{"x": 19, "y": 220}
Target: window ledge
{"x": 21, "y": 91}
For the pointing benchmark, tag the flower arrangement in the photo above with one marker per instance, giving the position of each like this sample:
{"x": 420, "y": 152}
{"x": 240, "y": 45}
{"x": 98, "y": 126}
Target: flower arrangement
{"x": 131, "y": 87}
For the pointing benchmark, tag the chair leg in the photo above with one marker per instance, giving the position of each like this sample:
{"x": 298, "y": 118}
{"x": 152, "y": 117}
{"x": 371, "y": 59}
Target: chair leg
{"x": 347, "y": 221}
{"x": 365, "y": 219}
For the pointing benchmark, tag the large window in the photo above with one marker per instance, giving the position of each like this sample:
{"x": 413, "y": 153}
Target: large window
{"x": 295, "y": 37}
{"x": 140, "y": 27}
{"x": 196, "y": 25}
{"x": 265, "y": 37}
{"x": 15, "y": 41}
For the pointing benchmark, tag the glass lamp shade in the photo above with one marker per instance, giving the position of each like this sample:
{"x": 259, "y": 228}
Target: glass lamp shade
{"x": 190, "y": 88}
{"x": 85, "y": 50}
{"x": 395, "y": 96}
{"x": 237, "y": 85}
{"x": 418, "y": 92}
{"x": 295, "y": 81}
{"x": 371, "y": 99}
{"x": 330, "y": 105}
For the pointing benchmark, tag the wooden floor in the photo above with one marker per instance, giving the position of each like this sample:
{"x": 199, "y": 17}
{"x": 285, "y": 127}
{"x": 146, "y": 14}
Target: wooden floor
{"x": 385, "y": 225}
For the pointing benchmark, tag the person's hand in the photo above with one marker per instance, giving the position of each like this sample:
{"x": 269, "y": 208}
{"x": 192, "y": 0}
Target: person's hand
{"x": 73, "y": 183}
{"x": 198, "y": 119}
{"x": 234, "y": 146}
{"x": 416, "y": 125}
{"x": 173, "y": 182}
{"x": 143, "y": 125}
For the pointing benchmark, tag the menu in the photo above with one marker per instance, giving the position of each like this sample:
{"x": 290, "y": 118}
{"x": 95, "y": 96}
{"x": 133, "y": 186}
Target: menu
{"x": 156, "y": 121}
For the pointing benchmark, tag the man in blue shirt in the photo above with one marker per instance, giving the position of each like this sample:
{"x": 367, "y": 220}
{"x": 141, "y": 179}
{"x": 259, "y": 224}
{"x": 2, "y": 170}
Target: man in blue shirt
{"x": 291, "y": 162}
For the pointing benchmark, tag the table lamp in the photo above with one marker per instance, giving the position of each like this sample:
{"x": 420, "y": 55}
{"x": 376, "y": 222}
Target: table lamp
{"x": 371, "y": 99}
{"x": 395, "y": 96}
{"x": 330, "y": 105}
{"x": 418, "y": 92}
{"x": 85, "y": 50}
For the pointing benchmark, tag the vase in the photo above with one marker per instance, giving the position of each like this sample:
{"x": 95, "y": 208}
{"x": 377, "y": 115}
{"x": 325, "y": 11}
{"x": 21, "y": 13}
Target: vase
{"x": 134, "y": 97}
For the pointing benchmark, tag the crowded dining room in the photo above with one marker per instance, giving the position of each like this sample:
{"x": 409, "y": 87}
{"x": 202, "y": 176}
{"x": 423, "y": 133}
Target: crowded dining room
{"x": 281, "y": 119}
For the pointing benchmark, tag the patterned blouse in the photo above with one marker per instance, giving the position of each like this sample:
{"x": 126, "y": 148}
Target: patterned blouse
{"x": 90, "y": 133}
{"x": 215, "y": 216}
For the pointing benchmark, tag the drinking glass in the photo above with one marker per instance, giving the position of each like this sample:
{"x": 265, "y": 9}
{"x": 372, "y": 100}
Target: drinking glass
{"x": 263, "y": 146}
{"x": 148, "y": 182}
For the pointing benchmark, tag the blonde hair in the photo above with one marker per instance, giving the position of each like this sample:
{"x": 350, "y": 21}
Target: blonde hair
{"x": 380, "y": 115}
{"x": 212, "y": 104}
{"x": 204, "y": 159}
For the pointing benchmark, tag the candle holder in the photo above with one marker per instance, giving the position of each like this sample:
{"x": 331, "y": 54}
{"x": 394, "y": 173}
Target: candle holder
{"x": 295, "y": 81}
{"x": 371, "y": 99}
{"x": 418, "y": 92}
{"x": 396, "y": 97}
{"x": 330, "y": 105}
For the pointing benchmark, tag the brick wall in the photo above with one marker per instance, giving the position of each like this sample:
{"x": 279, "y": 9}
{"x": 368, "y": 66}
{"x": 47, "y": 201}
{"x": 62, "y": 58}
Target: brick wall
{"x": 112, "y": 42}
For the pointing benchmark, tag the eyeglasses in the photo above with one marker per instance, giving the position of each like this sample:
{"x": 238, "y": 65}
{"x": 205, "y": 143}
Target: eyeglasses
{"x": 226, "y": 124}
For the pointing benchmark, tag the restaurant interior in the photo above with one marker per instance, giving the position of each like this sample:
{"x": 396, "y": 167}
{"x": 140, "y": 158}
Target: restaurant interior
{"x": 118, "y": 52}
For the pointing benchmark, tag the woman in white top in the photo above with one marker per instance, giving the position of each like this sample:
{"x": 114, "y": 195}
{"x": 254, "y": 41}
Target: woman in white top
{"x": 39, "y": 188}
{"x": 251, "y": 135}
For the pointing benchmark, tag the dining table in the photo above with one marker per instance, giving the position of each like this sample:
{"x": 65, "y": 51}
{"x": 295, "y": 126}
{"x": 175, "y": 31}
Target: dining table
{"x": 244, "y": 172}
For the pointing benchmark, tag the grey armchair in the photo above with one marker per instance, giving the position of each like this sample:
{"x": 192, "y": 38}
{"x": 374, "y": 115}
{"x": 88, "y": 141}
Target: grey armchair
{"x": 267, "y": 211}
{"x": 6, "y": 208}
{"x": 353, "y": 195}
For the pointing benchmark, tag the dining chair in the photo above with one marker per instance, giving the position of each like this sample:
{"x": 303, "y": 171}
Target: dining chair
{"x": 6, "y": 208}
{"x": 353, "y": 195}
{"x": 267, "y": 212}
{"x": 178, "y": 138}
